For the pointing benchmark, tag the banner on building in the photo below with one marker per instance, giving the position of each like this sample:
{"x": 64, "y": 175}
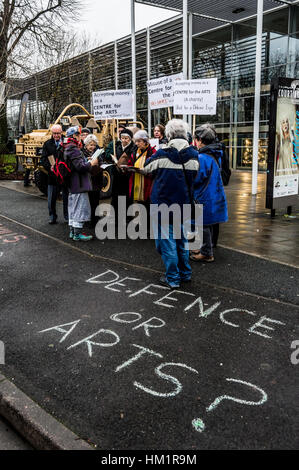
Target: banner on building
{"x": 22, "y": 113}
{"x": 113, "y": 104}
{"x": 160, "y": 91}
{"x": 195, "y": 97}
{"x": 283, "y": 149}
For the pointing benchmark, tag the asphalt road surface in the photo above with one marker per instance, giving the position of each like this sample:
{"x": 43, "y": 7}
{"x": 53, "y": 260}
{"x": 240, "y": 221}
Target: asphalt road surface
{"x": 92, "y": 337}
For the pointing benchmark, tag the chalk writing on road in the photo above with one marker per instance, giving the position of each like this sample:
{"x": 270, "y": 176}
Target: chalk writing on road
{"x": 8, "y": 236}
{"x": 112, "y": 281}
{"x": 2, "y": 353}
{"x": 242, "y": 392}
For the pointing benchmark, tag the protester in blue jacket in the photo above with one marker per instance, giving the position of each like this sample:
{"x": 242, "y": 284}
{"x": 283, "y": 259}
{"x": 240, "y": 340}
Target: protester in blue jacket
{"x": 169, "y": 188}
{"x": 208, "y": 188}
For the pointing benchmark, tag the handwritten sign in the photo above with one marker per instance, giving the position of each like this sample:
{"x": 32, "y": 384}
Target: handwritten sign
{"x": 113, "y": 104}
{"x": 195, "y": 97}
{"x": 160, "y": 91}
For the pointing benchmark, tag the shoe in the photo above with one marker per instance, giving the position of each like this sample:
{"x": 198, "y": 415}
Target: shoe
{"x": 165, "y": 283}
{"x": 201, "y": 257}
{"x": 82, "y": 237}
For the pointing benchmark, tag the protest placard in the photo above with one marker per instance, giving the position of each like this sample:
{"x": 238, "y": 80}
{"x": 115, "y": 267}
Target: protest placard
{"x": 195, "y": 97}
{"x": 160, "y": 91}
{"x": 113, "y": 104}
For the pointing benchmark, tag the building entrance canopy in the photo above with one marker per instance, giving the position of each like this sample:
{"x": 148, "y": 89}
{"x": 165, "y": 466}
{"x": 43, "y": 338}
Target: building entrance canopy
{"x": 221, "y": 13}
{"x": 219, "y": 10}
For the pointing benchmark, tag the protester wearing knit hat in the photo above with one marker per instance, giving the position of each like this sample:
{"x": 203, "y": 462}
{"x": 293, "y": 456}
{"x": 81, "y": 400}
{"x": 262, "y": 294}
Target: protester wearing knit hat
{"x": 123, "y": 151}
{"x": 84, "y": 133}
{"x": 80, "y": 183}
{"x": 72, "y": 130}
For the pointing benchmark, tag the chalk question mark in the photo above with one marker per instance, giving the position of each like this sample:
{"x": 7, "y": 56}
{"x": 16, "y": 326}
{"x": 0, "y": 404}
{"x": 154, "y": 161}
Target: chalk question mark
{"x": 199, "y": 425}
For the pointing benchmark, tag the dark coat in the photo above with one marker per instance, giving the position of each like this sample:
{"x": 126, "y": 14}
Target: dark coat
{"x": 169, "y": 181}
{"x": 49, "y": 149}
{"x": 208, "y": 186}
{"x": 121, "y": 180}
{"x": 96, "y": 171}
{"x": 80, "y": 181}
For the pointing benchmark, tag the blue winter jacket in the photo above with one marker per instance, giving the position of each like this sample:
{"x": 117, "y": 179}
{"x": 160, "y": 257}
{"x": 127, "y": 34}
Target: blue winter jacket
{"x": 169, "y": 185}
{"x": 208, "y": 186}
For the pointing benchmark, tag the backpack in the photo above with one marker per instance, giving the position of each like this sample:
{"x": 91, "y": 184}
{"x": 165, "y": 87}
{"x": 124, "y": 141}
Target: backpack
{"x": 225, "y": 170}
{"x": 225, "y": 175}
{"x": 63, "y": 167}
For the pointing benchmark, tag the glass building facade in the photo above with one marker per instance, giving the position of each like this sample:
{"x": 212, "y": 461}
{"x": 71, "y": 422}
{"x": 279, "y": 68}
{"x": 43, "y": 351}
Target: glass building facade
{"x": 226, "y": 52}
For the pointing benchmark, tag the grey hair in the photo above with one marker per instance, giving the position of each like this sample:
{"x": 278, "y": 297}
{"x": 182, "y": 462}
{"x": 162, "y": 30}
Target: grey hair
{"x": 176, "y": 128}
{"x": 142, "y": 135}
{"x": 90, "y": 138}
{"x": 206, "y": 133}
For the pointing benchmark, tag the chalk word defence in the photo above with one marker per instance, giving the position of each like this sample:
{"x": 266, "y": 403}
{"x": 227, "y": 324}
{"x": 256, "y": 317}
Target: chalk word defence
{"x": 2, "y": 353}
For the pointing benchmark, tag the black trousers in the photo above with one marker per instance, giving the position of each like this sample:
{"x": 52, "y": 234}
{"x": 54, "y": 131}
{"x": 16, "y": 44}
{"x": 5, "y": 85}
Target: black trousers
{"x": 53, "y": 192}
{"x": 26, "y": 178}
{"x": 94, "y": 199}
{"x": 215, "y": 234}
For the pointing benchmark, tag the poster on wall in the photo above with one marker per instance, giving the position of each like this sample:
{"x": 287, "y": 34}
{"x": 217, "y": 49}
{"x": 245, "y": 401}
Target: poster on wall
{"x": 113, "y": 104}
{"x": 283, "y": 153}
{"x": 196, "y": 97}
{"x": 160, "y": 91}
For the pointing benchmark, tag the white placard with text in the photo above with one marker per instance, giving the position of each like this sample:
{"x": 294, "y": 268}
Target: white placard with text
{"x": 195, "y": 97}
{"x": 113, "y": 104}
{"x": 160, "y": 91}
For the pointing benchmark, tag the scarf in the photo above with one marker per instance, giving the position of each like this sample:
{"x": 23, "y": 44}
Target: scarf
{"x": 141, "y": 157}
{"x": 73, "y": 141}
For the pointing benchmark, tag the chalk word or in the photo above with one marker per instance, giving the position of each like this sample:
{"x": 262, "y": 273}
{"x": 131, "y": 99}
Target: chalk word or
{"x": 295, "y": 354}
{"x": 2, "y": 353}
{"x": 199, "y": 425}
{"x": 112, "y": 281}
{"x": 7, "y": 236}
{"x": 110, "y": 339}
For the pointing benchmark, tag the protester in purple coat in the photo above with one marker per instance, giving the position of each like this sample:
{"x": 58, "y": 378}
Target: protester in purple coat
{"x": 80, "y": 184}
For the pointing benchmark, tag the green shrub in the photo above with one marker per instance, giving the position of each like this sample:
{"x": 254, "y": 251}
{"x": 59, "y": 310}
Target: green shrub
{"x": 8, "y": 169}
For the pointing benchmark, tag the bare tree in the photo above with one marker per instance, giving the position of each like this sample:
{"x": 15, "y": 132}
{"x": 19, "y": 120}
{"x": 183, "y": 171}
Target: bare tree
{"x": 25, "y": 25}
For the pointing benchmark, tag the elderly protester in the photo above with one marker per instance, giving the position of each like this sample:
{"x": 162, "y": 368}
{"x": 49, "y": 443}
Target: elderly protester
{"x": 159, "y": 133}
{"x": 123, "y": 149}
{"x": 90, "y": 147}
{"x": 80, "y": 184}
{"x": 208, "y": 188}
{"x": 140, "y": 185}
{"x": 174, "y": 169}
{"x": 109, "y": 148}
{"x": 84, "y": 133}
{"x": 49, "y": 154}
